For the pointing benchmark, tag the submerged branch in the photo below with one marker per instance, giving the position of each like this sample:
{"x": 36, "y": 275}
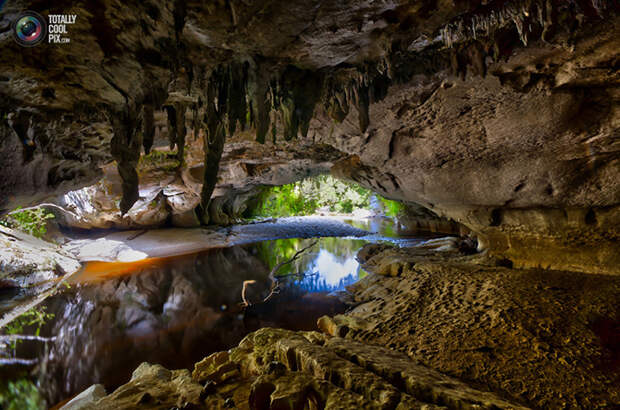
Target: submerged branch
{"x": 289, "y": 261}
{"x": 23, "y": 362}
{"x": 245, "y": 287}
{"x": 13, "y": 338}
{"x": 275, "y": 287}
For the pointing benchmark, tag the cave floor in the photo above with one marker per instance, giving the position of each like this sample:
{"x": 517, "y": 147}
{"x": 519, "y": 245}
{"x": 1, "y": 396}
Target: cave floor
{"x": 546, "y": 338}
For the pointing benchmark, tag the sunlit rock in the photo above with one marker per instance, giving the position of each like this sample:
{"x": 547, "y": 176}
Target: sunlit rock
{"x": 30, "y": 261}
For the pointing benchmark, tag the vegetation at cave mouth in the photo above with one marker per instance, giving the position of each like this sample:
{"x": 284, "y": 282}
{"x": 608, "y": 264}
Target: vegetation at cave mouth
{"x": 321, "y": 193}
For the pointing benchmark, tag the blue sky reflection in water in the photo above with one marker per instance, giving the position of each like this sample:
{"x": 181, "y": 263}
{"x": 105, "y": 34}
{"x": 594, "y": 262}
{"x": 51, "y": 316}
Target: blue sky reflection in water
{"x": 328, "y": 266}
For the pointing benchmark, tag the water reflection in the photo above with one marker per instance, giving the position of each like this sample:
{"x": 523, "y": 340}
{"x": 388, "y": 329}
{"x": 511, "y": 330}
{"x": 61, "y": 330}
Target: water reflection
{"x": 392, "y": 230}
{"x": 386, "y": 227}
{"x": 329, "y": 266}
{"x": 175, "y": 311}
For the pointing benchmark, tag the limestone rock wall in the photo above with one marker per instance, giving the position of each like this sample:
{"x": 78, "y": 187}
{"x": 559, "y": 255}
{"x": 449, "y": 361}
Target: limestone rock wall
{"x": 500, "y": 115}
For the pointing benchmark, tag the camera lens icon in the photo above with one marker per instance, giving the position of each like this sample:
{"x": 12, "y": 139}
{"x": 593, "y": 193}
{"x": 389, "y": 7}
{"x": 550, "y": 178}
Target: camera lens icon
{"x": 29, "y": 29}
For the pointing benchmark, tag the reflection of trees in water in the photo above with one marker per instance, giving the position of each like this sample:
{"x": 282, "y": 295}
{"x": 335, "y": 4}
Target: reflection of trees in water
{"x": 174, "y": 313}
{"x": 315, "y": 283}
{"x": 342, "y": 249}
{"x": 271, "y": 252}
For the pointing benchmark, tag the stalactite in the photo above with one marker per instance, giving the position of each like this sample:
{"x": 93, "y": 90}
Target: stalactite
{"x": 148, "y": 127}
{"x": 548, "y": 20}
{"x": 477, "y": 56}
{"x": 298, "y": 93}
{"x": 260, "y": 105}
{"x": 519, "y": 24}
{"x": 523, "y": 15}
{"x": 236, "y": 102}
{"x": 196, "y": 108}
{"x": 213, "y": 149}
{"x": 221, "y": 79}
{"x": 494, "y": 28}
{"x": 176, "y": 106}
{"x": 379, "y": 87}
{"x": 290, "y": 119}
{"x": 336, "y": 105}
{"x": 599, "y": 6}
{"x": 357, "y": 87}
{"x": 181, "y": 129}
{"x": 458, "y": 67}
{"x": 362, "y": 103}
{"x": 274, "y": 132}
{"x": 171, "y": 114}
{"x": 308, "y": 96}
{"x": 213, "y": 145}
{"x": 180, "y": 13}
{"x": 498, "y": 14}
{"x": 23, "y": 125}
{"x": 126, "y": 145}
{"x": 256, "y": 93}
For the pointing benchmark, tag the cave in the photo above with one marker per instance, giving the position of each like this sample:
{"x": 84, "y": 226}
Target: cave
{"x": 310, "y": 204}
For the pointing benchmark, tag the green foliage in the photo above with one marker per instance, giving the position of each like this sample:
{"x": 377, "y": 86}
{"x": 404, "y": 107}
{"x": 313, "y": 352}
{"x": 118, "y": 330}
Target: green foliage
{"x": 156, "y": 157}
{"x": 284, "y": 201}
{"x": 307, "y": 196}
{"x": 36, "y": 316}
{"x": 32, "y": 221}
{"x": 391, "y": 208}
{"x": 21, "y": 394}
{"x": 159, "y": 160}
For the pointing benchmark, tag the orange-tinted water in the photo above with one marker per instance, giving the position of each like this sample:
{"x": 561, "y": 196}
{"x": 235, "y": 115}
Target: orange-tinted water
{"x": 94, "y": 272}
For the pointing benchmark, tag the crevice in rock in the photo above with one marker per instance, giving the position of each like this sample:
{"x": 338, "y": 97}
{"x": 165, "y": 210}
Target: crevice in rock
{"x": 496, "y": 217}
{"x": 590, "y": 218}
{"x": 519, "y": 187}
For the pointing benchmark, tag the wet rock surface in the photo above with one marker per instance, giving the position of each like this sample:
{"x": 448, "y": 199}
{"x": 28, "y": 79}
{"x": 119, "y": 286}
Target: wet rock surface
{"x": 28, "y": 261}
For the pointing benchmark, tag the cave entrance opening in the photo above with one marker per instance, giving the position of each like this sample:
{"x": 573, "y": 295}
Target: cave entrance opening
{"x": 322, "y": 195}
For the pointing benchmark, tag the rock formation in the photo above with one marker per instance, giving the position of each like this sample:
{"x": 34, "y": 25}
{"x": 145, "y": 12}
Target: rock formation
{"x": 30, "y": 261}
{"x": 169, "y": 195}
{"x": 279, "y": 369}
{"x": 500, "y": 115}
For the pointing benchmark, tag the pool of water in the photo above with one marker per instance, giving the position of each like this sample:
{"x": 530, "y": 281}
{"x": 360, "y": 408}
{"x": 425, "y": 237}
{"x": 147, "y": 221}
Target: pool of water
{"x": 174, "y": 311}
